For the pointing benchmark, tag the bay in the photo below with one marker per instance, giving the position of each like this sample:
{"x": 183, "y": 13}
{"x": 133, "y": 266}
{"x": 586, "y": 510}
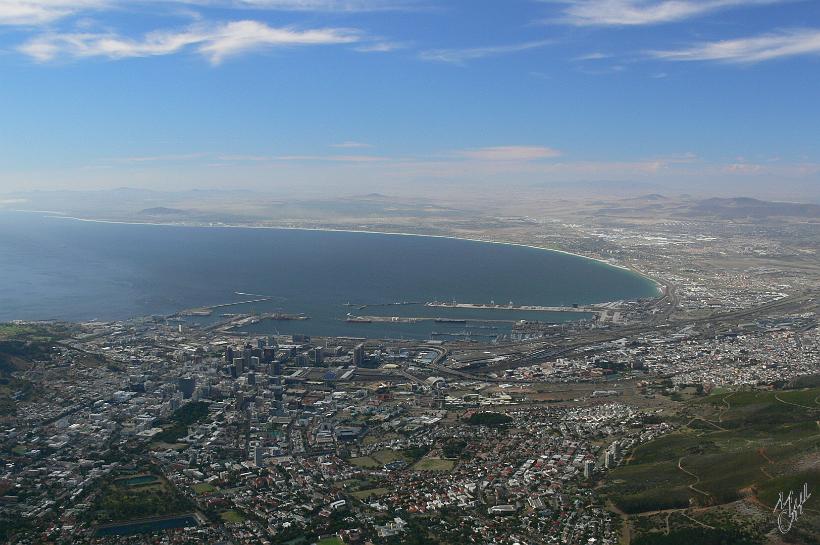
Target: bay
{"x": 59, "y": 268}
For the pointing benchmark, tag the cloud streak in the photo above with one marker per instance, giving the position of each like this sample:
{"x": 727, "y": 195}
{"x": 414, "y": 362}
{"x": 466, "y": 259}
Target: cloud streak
{"x": 351, "y": 6}
{"x": 509, "y": 153}
{"x": 215, "y": 42}
{"x": 460, "y": 56}
{"x": 351, "y": 144}
{"x": 756, "y": 49}
{"x": 38, "y": 12}
{"x": 643, "y": 12}
{"x": 333, "y": 158}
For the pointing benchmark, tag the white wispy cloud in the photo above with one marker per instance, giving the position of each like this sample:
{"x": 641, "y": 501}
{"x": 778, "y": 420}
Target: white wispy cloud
{"x": 595, "y": 56}
{"x": 459, "y": 56}
{"x": 333, "y": 158}
{"x": 787, "y": 43}
{"x": 37, "y": 12}
{"x": 238, "y": 158}
{"x": 215, "y": 42}
{"x": 320, "y": 5}
{"x": 380, "y": 47}
{"x": 642, "y": 12}
{"x": 241, "y": 36}
{"x": 244, "y": 158}
{"x": 351, "y": 144}
{"x": 509, "y": 153}
{"x": 157, "y": 158}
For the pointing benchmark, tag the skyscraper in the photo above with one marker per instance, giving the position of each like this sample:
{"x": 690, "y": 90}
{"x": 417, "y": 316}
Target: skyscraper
{"x": 358, "y": 354}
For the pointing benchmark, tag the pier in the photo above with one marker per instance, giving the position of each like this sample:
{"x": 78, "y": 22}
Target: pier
{"x": 225, "y": 305}
{"x": 531, "y": 308}
{"x": 208, "y": 310}
{"x": 417, "y": 319}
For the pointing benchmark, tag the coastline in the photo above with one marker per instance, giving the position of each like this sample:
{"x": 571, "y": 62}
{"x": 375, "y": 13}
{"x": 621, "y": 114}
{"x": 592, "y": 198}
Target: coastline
{"x": 659, "y": 286}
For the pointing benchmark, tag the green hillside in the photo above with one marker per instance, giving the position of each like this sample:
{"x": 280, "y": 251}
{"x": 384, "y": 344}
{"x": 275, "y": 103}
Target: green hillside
{"x": 737, "y": 448}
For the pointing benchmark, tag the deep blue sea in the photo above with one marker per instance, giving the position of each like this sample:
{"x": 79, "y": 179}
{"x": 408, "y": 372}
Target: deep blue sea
{"x": 58, "y": 268}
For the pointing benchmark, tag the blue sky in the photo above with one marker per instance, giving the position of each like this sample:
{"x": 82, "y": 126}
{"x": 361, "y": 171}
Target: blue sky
{"x": 352, "y": 95}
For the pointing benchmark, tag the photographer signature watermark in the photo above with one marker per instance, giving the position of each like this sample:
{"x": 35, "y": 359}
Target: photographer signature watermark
{"x": 789, "y": 508}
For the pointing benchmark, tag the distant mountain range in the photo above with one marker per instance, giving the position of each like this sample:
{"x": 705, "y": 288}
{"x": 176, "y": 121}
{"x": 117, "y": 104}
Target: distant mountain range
{"x": 247, "y": 206}
{"x": 734, "y": 208}
{"x": 745, "y": 207}
{"x": 162, "y": 211}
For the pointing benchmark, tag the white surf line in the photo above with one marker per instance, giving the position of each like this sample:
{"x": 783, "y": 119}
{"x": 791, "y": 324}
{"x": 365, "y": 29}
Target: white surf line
{"x": 658, "y": 285}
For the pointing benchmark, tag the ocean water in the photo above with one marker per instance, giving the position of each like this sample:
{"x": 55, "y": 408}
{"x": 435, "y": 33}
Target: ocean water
{"x": 58, "y": 268}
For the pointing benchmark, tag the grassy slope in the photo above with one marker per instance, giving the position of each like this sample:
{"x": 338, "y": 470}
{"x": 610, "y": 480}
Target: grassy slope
{"x": 769, "y": 443}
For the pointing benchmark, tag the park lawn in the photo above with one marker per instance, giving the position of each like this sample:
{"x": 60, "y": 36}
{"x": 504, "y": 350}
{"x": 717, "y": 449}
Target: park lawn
{"x": 372, "y": 438}
{"x": 204, "y": 488}
{"x": 15, "y": 330}
{"x": 373, "y": 492}
{"x": 365, "y": 461}
{"x": 434, "y": 464}
{"x": 159, "y": 445}
{"x": 351, "y": 483}
{"x": 332, "y": 540}
{"x": 150, "y": 487}
{"x": 231, "y": 516}
{"x": 380, "y": 458}
{"x": 388, "y": 455}
{"x": 119, "y": 501}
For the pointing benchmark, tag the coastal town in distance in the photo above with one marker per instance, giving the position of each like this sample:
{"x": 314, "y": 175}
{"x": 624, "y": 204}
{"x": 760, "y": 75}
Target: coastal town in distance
{"x": 689, "y": 417}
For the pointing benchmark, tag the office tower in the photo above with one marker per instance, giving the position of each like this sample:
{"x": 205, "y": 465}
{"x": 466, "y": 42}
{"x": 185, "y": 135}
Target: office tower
{"x": 268, "y": 354}
{"x": 259, "y": 455}
{"x": 358, "y": 354}
{"x": 186, "y": 385}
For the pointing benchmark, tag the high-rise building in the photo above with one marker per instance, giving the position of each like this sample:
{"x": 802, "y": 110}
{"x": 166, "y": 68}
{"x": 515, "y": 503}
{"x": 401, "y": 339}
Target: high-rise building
{"x": 259, "y": 453}
{"x": 247, "y": 354}
{"x": 358, "y": 354}
{"x": 589, "y": 468}
{"x": 239, "y": 363}
{"x": 268, "y": 354}
{"x": 317, "y": 355}
{"x": 186, "y": 385}
{"x": 278, "y": 408}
